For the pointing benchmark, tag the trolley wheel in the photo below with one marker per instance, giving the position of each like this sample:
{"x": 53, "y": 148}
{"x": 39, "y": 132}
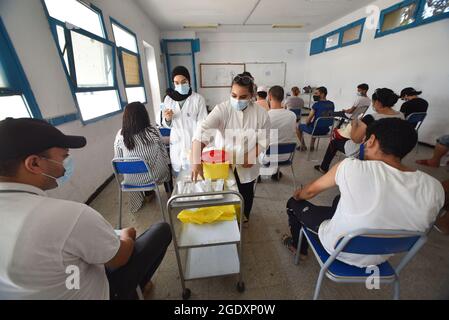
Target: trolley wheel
{"x": 186, "y": 294}
{"x": 240, "y": 287}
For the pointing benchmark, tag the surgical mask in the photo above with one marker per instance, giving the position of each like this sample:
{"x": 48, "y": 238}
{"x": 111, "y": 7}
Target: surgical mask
{"x": 359, "y": 94}
{"x": 239, "y": 105}
{"x": 316, "y": 98}
{"x": 68, "y": 166}
{"x": 182, "y": 88}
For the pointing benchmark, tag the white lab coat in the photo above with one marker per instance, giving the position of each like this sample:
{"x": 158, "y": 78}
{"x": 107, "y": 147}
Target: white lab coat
{"x": 183, "y": 125}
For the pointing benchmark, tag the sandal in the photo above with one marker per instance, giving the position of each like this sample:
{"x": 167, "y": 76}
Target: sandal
{"x": 287, "y": 241}
{"x": 318, "y": 168}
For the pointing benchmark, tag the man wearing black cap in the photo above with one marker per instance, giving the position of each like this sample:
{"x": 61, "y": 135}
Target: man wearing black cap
{"x": 412, "y": 103}
{"x": 57, "y": 249}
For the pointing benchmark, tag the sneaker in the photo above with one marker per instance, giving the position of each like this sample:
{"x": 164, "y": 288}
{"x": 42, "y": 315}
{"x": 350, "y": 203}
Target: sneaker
{"x": 318, "y": 168}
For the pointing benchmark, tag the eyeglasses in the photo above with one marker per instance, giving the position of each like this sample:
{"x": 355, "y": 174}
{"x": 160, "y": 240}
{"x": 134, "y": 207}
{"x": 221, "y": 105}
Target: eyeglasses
{"x": 245, "y": 80}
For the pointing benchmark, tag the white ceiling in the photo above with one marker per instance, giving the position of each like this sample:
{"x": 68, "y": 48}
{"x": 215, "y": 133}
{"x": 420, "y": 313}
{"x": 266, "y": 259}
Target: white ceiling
{"x": 247, "y": 15}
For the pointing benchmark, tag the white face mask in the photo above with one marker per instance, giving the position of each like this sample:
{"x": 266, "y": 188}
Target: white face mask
{"x": 68, "y": 166}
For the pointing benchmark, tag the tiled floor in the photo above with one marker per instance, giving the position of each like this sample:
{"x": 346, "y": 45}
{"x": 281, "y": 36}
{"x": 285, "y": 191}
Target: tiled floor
{"x": 268, "y": 269}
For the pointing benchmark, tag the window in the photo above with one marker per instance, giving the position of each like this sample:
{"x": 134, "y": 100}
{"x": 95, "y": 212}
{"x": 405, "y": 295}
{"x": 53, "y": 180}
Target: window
{"x": 410, "y": 14}
{"x": 317, "y": 46}
{"x": 332, "y": 41}
{"x": 353, "y": 34}
{"x": 129, "y": 57}
{"x": 434, "y": 8}
{"x": 400, "y": 17}
{"x": 16, "y": 97}
{"x": 88, "y": 57}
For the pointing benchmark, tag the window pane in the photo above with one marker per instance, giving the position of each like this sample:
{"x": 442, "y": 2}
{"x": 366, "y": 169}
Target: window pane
{"x": 332, "y": 41}
{"x": 93, "y": 62}
{"x": 400, "y": 17}
{"x": 62, "y": 45}
{"x": 136, "y": 94}
{"x": 13, "y": 106}
{"x": 3, "y": 80}
{"x": 97, "y": 103}
{"x": 132, "y": 70}
{"x": 352, "y": 34}
{"x": 76, "y": 13}
{"x": 124, "y": 39}
{"x": 435, "y": 7}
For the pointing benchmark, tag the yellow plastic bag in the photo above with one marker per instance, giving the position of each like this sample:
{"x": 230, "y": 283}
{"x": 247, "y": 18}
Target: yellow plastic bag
{"x": 215, "y": 171}
{"x": 209, "y": 214}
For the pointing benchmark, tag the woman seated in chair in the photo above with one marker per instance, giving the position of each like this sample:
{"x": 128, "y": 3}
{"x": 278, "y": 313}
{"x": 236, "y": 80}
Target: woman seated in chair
{"x": 351, "y": 136}
{"x": 378, "y": 192}
{"x": 321, "y": 108}
{"x": 138, "y": 138}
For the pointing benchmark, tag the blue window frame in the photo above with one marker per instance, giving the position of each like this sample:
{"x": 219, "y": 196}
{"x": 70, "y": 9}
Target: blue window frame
{"x": 130, "y": 62}
{"x": 173, "y": 56}
{"x": 89, "y": 61}
{"x": 16, "y": 98}
{"x": 412, "y": 13}
{"x": 345, "y": 36}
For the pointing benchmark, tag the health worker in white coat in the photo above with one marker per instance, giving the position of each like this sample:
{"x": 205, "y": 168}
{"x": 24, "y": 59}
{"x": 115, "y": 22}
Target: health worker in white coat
{"x": 184, "y": 110}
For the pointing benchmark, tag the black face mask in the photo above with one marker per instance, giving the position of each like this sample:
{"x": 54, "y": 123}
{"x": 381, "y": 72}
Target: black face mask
{"x": 316, "y": 98}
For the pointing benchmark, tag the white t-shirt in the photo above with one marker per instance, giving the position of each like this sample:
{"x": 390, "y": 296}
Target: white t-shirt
{"x": 285, "y": 122}
{"x": 375, "y": 195}
{"x": 41, "y": 237}
{"x": 361, "y": 101}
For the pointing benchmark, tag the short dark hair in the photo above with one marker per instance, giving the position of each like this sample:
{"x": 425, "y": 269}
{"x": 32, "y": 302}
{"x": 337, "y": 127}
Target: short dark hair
{"x": 363, "y": 86}
{"x": 246, "y": 73}
{"x": 322, "y": 90}
{"x": 396, "y": 137}
{"x": 10, "y": 167}
{"x": 262, "y": 94}
{"x": 245, "y": 80}
{"x": 385, "y": 96}
{"x": 277, "y": 92}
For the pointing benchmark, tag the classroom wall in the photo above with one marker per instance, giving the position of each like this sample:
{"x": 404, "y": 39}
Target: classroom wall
{"x": 415, "y": 57}
{"x": 252, "y": 47}
{"x": 29, "y": 31}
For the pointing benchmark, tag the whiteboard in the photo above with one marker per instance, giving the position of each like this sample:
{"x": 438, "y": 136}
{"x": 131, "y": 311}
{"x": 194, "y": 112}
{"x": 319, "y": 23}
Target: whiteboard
{"x": 219, "y": 75}
{"x": 268, "y": 74}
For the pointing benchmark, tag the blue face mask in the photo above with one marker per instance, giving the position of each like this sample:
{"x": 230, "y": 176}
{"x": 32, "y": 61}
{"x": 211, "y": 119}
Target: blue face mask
{"x": 239, "y": 105}
{"x": 362, "y": 152}
{"x": 182, "y": 88}
{"x": 68, "y": 166}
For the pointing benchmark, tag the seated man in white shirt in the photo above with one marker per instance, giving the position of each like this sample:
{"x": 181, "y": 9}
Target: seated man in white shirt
{"x": 58, "y": 249}
{"x": 377, "y": 193}
{"x": 282, "y": 120}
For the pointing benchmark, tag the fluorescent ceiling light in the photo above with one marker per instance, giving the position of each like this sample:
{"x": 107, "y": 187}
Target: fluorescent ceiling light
{"x": 287, "y": 26}
{"x": 201, "y": 26}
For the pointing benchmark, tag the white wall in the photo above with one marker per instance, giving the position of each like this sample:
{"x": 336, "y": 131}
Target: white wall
{"x": 29, "y": 31}
{"x": 415, "y": 57}
{"x": 252, "y": 47}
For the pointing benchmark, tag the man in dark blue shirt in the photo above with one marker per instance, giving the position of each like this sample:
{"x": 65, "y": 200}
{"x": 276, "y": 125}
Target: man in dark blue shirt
{"x": 321, "y": 108}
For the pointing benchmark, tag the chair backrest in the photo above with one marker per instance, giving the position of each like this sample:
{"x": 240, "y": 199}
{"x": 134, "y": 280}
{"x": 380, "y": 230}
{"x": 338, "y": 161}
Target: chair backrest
{"x": 417, "y": 118}
{"x": 323, "y": 122}
{"x": 165, "y": 132}
{"x": 282, "y": 148}
{"x": 379, "y": 242}
{"x": 129, "y": 166}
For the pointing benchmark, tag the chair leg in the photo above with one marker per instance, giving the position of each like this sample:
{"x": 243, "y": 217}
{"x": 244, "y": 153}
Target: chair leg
{"x": 119, "y": 224}
{"x": 318, "y": 285}
{"x": 317, "y": 144}
{"x": 294, "y": 178}
{"x": 298, "y": 249}
{"x": 396, "y": 289}
{"x": 160, "y": 202}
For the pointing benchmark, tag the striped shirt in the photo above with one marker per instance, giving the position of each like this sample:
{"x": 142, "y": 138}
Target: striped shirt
{"x": 153, "y": 151}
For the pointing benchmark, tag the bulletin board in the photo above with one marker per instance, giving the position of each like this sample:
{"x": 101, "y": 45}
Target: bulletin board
{"x": 268, "y": 74}
{"x": 219, "y": 75}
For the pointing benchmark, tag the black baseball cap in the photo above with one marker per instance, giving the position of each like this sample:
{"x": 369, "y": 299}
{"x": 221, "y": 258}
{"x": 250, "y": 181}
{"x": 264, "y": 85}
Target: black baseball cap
{"x": 24, "y": 136}
{"x": 410, "y": 92}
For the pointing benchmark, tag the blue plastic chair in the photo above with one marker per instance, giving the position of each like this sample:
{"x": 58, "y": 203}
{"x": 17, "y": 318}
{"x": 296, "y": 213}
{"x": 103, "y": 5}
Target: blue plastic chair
{"x": 416, "y": 119}
{"x": 277, "y": 150}
{"x": 130, "y": 166}
{"x": 365, "y": 242}
{"x": 320, "y": 123}
{"x": 165, "y": 132}
{"x": 297, "y": 112}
